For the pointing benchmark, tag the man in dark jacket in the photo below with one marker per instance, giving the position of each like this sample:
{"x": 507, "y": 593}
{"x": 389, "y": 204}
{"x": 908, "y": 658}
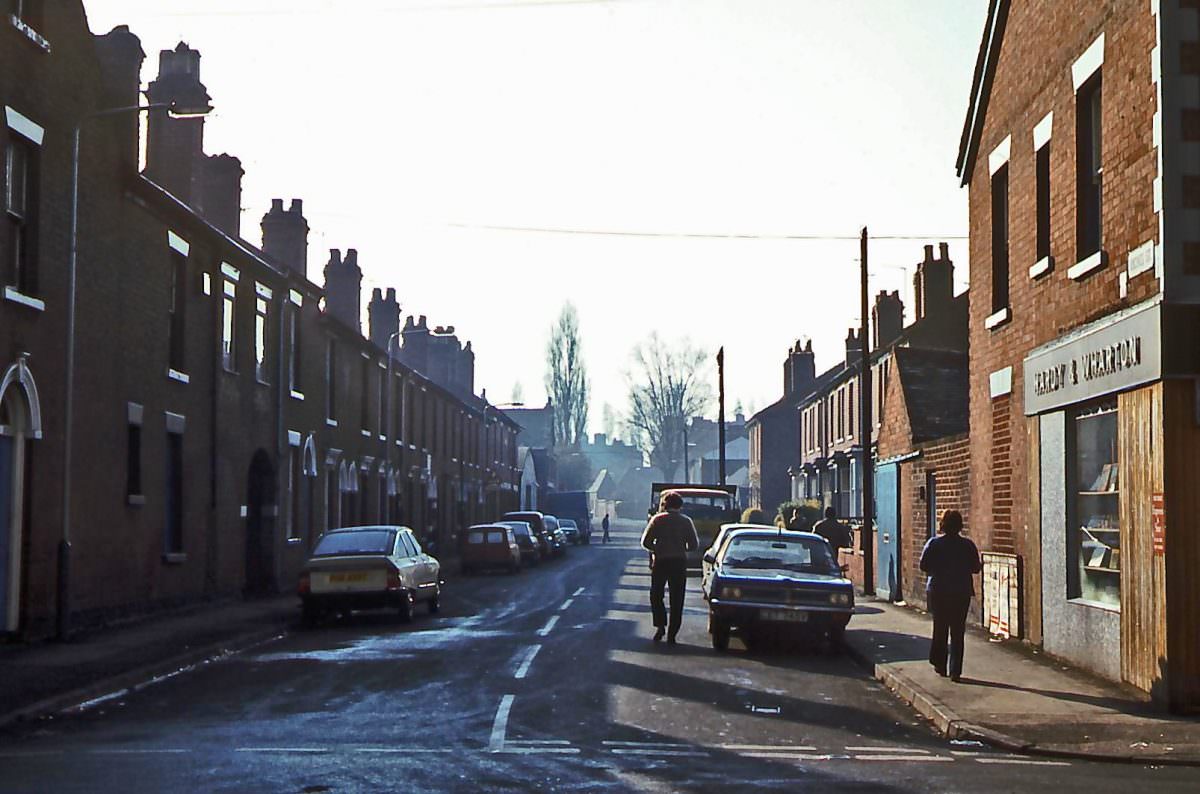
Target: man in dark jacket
{"x": 838, "y": 534}
{"x": 951, "y": 562}
{"x": 669, "y": 536}
{"x": 605, "y": 525}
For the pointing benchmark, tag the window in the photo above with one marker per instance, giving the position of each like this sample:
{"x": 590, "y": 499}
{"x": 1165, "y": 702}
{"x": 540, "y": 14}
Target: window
{"x": 294, "y": 348}
{"x": 931, "y": 509}
{"x": 133, "y": 461}
{"x": 398, "y": 409}
{"x": 260, "y": 340}
{"x": 1043, "y": 202}
{"x": 1088, "y": 168}
{"x": 1000, "y": 239}
{"x": 173, "y": 527}
{"x": 382, "y": 406}
{"x": 850, "y": 411}
{"x": 331, "y": 380}
{"x": 294, "y": 476}
{"x": 178, "y": 308}
{"x": 228, "y": 326}
{"x": 20, "y": 204}
{"x": 1094, "y": 539}
{"x": 364, "y": 393}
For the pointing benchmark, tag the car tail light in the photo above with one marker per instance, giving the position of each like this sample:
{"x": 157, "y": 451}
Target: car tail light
{"x": 305, "y": 584}
{"x": 393, "y": 579}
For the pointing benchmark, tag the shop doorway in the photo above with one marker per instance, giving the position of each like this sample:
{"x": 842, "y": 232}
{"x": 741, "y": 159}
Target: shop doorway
{"x": 887, "y": 540}
{"x": 260, "y": 525}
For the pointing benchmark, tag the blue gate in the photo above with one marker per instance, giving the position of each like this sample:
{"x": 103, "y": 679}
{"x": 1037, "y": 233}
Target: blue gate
{"x": 887, "y": 532}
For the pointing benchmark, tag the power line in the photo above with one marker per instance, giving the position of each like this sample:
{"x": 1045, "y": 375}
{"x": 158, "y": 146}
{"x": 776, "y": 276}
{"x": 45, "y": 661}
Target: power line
{"x": 697, "y": 235}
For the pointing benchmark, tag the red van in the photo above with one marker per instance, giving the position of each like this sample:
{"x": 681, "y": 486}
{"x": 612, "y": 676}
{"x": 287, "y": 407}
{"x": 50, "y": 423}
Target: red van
{"x": 490, "y": 546}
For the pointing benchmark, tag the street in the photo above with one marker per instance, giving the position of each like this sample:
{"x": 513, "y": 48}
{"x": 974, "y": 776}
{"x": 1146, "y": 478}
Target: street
{"x": 543, "y": 681}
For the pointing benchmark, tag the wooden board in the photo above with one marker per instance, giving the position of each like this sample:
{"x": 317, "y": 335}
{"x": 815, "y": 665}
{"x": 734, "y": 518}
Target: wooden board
{"x": 1180, "y": 564}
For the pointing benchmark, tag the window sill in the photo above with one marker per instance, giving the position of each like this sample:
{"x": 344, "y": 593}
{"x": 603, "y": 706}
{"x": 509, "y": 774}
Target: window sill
{"x": 135, "y": 499}
{"x": 174, "y": 558}
{"x": 29, "y": 33}
{"x": 262, "y": 382}
{"x": 16, "y": 296}
{"x": 1088, "y": 265}
{"x": 176, "y": 375}
{"x": 295, "y": 395}
{"x": 294, "y": 541}
{"x": 1043, "y": 266}
{"x": 228, "y": 369}
{"x": 997, "y": 319}
{"x": 383, "y": 438}
{"x": 331, "y": 423}
{"x": 1083, "y": 602}
{"x": 365, "y": 433}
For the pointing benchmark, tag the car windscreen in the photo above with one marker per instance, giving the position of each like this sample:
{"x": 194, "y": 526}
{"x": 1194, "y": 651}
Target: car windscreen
{"x": 792, "y": 554}
{"x": 367, "y": 541}
{"x": 567, "y": 523}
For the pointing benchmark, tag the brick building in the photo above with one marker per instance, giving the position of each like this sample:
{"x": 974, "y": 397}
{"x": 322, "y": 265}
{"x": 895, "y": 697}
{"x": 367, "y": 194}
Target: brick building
{"x": 773, "y": 433}
{"x": 222, "y": 419}
{"x": 1079, "y": 151}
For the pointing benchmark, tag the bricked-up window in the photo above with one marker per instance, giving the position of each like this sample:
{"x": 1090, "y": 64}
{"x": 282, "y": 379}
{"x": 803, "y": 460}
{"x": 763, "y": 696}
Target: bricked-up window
{"x": 1043, "y": 202}
{"x": 178, "y": 311}
{"x": 261, "y": 314}
{"x": 331, "y": 379}
{"x": 20, "y": 204}
{"x": 1000, "y": 239}
{"x": 1094, "y": 525}
{"x": 133, "y": 460}
{"x": 229, "y": 326}
{"x": 295, "y": 357}
{"x": 1088, "y": 168}
{"x": 173, "y": 526}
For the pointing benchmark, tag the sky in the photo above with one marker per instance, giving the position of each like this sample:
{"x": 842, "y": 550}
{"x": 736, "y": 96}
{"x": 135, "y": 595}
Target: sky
{"x": 445, "y": 139}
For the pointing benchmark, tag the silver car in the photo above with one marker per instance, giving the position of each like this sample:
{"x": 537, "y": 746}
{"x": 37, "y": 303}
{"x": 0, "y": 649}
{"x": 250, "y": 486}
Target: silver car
{"x": 376, "y": 567}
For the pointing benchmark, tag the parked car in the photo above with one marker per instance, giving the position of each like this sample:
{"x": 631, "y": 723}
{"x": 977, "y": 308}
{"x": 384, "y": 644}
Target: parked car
{"x": 558, "y": 541}
{"x": 527, "y": 542}
{"x": 537, "y": 522}
{"x": 490, "y": 546}
{"x": 571, "y": 530}
{"x": 373, "y": 567}
{"x": 718, "y": 540}
{"x": 776, "y": 581}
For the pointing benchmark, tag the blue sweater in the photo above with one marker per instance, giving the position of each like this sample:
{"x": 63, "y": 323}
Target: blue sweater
{"x": 951, "y": 562}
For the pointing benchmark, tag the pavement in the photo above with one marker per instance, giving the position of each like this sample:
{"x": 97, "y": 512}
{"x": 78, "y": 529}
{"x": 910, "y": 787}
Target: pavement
{"x": 1015, "y": 697}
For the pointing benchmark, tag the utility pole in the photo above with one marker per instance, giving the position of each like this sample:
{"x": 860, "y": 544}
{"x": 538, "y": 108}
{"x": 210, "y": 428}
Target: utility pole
{"x": 721, "y": 409}
{"x": 864, "y": 436}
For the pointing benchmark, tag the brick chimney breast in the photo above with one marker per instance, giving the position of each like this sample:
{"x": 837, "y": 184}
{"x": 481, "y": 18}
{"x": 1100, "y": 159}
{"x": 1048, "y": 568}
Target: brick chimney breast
{"x": 888, "y": 317}
{"x": 121, "y": 56}
{"x": 175, "y": 146}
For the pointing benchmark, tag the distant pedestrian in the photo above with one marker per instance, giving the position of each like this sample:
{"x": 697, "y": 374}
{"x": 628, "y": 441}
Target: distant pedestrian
{"x": 669, "y": 536}
{"x": 604, "y": 524}
{"x": 951, "y": 562}
{"x": 838, "y": 534}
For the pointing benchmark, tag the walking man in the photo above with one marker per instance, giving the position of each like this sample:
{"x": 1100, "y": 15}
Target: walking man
{"x": 669, "y": 536}
{"x": 838, "y": 534}
{"x": 604, "y": 524}
{"x": 951, "y": 562}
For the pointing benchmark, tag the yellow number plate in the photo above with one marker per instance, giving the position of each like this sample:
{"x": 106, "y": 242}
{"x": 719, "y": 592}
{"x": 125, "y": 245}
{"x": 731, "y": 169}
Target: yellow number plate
{"x": 348, "y": 578}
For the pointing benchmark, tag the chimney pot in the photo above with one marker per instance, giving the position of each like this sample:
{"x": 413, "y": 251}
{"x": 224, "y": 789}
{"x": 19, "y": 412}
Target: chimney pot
{"x": 929, "y": 253}
{"x": 376, "y": 295}
{"x": 944, "y": 250}
{"x": 276, "y": 204}
{"x": 391, "y": 294}
{"x": 297, "y": 206}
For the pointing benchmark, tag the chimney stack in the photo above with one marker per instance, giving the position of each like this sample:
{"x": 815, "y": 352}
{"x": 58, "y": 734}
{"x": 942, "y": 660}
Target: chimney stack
{"x": 799, "y": 370}
{"x": 343, "y": 285}
{"x": 888, "y": 316}
{"x": 285, "y": 236}
{"x": 384, "y": 315}
{"x": 933, "y": 282}
{"x": 120, "y": 54}
{"x": 853, "y": 348}
{"x": 220, "y": 193}
{"x": 175, "y": 146}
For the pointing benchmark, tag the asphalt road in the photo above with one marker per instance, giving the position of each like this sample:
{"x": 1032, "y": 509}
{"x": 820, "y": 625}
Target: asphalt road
{"x": 546, "y": 680}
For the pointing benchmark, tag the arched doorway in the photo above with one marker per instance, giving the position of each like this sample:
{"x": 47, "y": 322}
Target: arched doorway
{"x": 20, "y": 422}
{"x": 260, "y": 525}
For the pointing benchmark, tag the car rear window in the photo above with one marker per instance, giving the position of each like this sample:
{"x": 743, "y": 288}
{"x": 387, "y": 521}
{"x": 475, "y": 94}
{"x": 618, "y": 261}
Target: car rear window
{"x": 496, "y": 536}
{"x": 475, "y": 537}
{"x": 367, "y": 541}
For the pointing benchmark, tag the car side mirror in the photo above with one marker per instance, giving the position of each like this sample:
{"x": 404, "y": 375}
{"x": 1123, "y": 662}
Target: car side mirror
{"x": 710, "y": 559}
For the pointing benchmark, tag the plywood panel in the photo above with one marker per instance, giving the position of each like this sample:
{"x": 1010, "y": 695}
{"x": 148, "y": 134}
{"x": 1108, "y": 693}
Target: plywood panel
{"x": 1031, "y": 619}
{"x": 1139, "y": 458}
{"x": 1181, "y": 563}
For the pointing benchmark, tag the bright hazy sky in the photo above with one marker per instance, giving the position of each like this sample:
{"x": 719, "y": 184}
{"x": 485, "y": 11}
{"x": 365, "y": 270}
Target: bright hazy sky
{"x": 407, "y": 125}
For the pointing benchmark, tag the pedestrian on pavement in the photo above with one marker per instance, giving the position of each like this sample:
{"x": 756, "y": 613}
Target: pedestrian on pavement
{"x": 604, "y": 524}
{"x": 669, "y": 536}
{"x": 838, "y": 534}
{"x": 951, "y": 562}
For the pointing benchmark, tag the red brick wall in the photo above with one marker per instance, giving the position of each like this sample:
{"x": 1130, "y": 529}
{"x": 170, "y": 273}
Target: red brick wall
{"x": 1033, "y": 77}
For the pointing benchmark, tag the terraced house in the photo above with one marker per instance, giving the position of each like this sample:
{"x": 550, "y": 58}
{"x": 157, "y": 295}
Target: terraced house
{"x": 1081, "y": 149}
{"x": 183, "y": 413}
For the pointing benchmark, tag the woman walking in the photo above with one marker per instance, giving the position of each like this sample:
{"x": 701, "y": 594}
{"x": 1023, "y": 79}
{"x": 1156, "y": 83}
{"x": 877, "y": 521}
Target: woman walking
{"x": 951, "y": 562}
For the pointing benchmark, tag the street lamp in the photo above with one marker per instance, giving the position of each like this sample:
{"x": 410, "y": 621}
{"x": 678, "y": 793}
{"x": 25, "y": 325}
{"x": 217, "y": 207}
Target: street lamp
{"x": 63, "y": 611}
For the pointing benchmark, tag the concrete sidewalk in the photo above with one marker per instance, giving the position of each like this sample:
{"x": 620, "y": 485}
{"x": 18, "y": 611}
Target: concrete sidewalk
{"x": 48, "y": 677}
{"x": 1015, "y": 697}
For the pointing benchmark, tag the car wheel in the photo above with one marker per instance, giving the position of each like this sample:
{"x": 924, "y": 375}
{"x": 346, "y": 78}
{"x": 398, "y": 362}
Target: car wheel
{"x": 435, "y": 603}
{"x": 309, "y": 616}
{"x": 406, "y": 607}
{"x": 837, "y": 639}
{"x": 720, "y": 632}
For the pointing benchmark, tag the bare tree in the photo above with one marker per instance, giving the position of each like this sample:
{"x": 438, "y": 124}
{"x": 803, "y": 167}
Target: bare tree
{"x": 566, "y": 379}
{"x": 518, "y": 393}
{"x": 666, "y": 387}
{"x": 608, "y": 421}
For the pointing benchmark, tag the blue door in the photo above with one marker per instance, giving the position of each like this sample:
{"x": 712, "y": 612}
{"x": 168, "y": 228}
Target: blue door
{"x": 887, "y": 532}
{"x": 6, "y": 504}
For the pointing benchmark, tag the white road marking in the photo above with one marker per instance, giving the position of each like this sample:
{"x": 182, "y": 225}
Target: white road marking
{"x": 136, "y": 751}
{"x": 523, "y": 668}
{"x": 903, "y": 758}
{"x": 500, "y": 725}
{"x": 1023, "y": 761}
{"x": 668, "y": 753}
{"x": 510, "y": 750}
{"x": 405, "y": 750}
{"x": 893, "y": 750}
{"x": 792, "y": 756}
{"x": 549, "y": 627}
{"x": 511, "y": 742}
{"x": 281, "y": 750}
{"x": 782, "y": 748}
{"x": 566, "y": 605}
{"x": 664, "y": 745}
{"x": 579, "y": 592}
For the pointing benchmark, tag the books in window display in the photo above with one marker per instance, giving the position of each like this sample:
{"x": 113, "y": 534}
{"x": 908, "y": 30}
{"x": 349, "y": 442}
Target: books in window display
{"x": 1101, "y": 544}
{"x": 1106, "y": 480}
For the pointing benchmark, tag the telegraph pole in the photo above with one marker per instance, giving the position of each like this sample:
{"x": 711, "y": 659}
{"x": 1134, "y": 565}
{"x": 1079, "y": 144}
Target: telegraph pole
{"x": 721, "y": 409}
{"x": 864, "y": 436}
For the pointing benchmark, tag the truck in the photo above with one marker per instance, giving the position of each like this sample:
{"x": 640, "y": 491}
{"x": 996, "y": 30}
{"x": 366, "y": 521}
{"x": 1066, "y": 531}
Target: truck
{"x": 708, "y": 505}
{"x": 574, "y": 505}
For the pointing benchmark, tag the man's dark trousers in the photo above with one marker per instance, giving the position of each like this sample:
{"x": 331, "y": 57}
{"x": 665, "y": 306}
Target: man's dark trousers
{"x": 949, "y": 618}
{"x": 671, "y": 572}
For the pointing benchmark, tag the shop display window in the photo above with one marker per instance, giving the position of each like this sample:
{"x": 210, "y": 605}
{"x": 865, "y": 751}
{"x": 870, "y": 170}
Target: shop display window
{"x": 1094, "y": 545}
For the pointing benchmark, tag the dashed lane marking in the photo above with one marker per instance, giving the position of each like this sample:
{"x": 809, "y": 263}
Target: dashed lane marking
{"x": 137, "y": 751}
{"x": 510, "y": 750}
{"x": 659, "y": 745}
{"x": 664, "y": 753}
{"x": 921, "y": 758}
{"x": 566, "y": 605}
{"x": 500, "y": 724}
{"x": 549, "y": 627}
{"x": 893, "y": 750}
{"x": 795, "y": 756}
{"x": 781, "y": 748}
{"x": 526, "y": 661}
{"x": 281, "y": 750}
{"x": 511, "y": 742}
{"x": 1022, "y": 761}
{"x": 579, "y": 592}
{"x": 404, "y": 750}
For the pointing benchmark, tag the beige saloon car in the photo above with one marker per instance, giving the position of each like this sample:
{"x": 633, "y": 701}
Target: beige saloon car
{"x": 375, "y": 567}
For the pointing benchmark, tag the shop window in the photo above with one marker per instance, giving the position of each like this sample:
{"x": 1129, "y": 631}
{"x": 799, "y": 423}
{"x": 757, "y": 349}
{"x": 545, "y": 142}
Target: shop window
{"x": 1094, "y": 544}
{"x": 1088, "y": 168}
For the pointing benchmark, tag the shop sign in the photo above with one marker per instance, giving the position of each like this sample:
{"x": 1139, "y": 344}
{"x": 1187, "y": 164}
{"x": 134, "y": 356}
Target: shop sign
{"x": 1115, "y": 355}
{"x": 1158, "y": 518}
